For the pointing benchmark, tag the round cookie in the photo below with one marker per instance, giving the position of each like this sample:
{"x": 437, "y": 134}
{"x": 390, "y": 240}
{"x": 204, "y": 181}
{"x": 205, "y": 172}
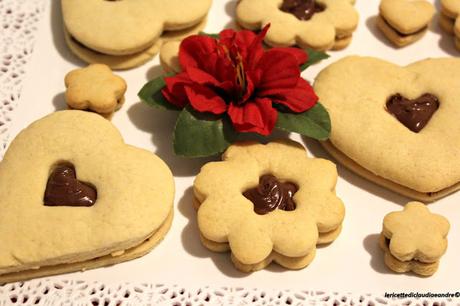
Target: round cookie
{"x": 59, "y": 229}
{"x": 332, "y": 19}
{"x": 122, "y": 62}
{"x": 268, "y": 203}
{"x": 423, "y": 163}
{"x": 128, "y": 27}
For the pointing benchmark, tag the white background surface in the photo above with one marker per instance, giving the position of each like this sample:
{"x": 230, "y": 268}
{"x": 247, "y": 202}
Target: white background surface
{"x": 353, "y": 263}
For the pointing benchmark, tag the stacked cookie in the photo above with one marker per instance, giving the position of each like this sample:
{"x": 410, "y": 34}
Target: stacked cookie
{"x": 414, "y": 239}
{"x": 381, "y": 127}
{"x": 264, "y": 203}
{"x": 320, "y": 25}
{"x": 449, "y": 19}
{"x": 76, "y": 197}
{"x": 125, "y": 34}
{"x": 404, "y": 21}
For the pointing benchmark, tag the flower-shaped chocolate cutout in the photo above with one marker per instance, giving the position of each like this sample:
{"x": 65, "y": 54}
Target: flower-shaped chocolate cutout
{"x": 95, "y": 88}
{"x": 330, "y": 27}
{"x": 227, "y": 219}
{"x": 415, "y": 239}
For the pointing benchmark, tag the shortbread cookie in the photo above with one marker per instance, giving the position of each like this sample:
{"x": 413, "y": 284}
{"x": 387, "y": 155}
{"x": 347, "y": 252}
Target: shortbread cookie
{"x": 404, "y": 21}
{"x": 169, "y": 56}
{"x": 95, "y": 88}
{"x": 377, "y": 131}
{"x": 450, "y": 12}
{"x": 128, "y": 27}
{"x": 268, "y": 203}
{"x": 414, "y": 239}
{"x": 447, "y": 24}
{"x": 77, "y": 197}
{"x": 320, "y": 24}
{"x": 121, "y": 62}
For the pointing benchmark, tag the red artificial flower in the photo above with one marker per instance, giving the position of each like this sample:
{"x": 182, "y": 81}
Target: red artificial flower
{"x": 236, "y": 75}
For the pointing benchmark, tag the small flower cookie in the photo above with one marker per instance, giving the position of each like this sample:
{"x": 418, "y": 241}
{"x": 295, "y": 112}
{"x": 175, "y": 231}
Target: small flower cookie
{"x": 268, "y": 203}
{"x": 320, "y": 24}
{"x": 404, "y": 21}
{"x": 95, "y": 88}
{"x": 449, "y": 19}
{"x": 414, "y": 239}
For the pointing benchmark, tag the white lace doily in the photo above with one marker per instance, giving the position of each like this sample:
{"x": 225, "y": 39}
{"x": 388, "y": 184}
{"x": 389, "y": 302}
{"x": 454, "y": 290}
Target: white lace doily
{"x": 79, "y": 293}
{"x": 18, "y": 27}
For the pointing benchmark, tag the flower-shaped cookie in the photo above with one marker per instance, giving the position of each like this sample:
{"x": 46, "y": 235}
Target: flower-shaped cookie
{"x": 95, "y": 88}
{"x": 127, "y": 27}
{"x": 414, "y": 239}
{"x": 320, "y": 24}
{"x": 268, "y": 203}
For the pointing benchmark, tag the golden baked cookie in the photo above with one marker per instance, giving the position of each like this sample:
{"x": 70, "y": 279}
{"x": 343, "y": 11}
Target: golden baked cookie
{"x": 95, "y": 88}
{"x": 396, "y": 125}
{"x": 449, "y": 20}
{"x": 169, "y": 56}
{"x": 268, "y": 203}
{"x": 404, "y": 21}
{"x": 320, "y": 24}
{"x": 414, "y": 239}
{"x": 77, "y": 197}
{"x": 122, "y": 62}
{"x": 128, "y": 27}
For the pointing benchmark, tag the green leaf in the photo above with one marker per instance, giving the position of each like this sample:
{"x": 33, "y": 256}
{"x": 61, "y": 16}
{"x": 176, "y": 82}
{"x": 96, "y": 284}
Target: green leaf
{"x": 199, "y": 135}
{"x": 314, "y": 123}
{"x": 313, "y": 57}
{"x": 151, "y": 94}
{"x": 215, "y": 36}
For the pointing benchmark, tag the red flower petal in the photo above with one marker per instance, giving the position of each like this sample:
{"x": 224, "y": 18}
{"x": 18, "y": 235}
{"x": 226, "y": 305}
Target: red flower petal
{"x": 204, "y": 99}
{"x": 201, "y": 77}
{"x": 298, "y": 99}
{"x": 198, "y": 51}
{"x": 256, "y": 116}
{"x": 279, "y": 70}
{"x": 174, "y": 90}
{"x": 300, "y": 55}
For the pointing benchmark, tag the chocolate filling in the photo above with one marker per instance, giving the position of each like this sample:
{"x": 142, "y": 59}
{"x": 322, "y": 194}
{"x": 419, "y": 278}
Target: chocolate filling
{"x": 63, "y": 188}
{"x": 271, "y": 194}
{"x": 413, "y": 113}
{"x": 302, "y": 9}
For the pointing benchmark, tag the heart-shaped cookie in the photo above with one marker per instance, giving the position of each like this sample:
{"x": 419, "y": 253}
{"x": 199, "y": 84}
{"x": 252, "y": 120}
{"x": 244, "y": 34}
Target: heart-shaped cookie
{"x": 128, "y": 26}
{"x": 371, "y": 141}
{"x": 449, "y": 19}
{"x": 404, "y": 21}
{"x": 407, "y": 16}
{"x": 131, "y": 213}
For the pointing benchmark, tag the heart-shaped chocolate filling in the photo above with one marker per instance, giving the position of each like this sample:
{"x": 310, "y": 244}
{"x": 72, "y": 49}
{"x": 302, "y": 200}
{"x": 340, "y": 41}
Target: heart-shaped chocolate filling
{"x": 414, "y": 114}
{"x": 271, "y": 194}
{"x": 63, "y": 188}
